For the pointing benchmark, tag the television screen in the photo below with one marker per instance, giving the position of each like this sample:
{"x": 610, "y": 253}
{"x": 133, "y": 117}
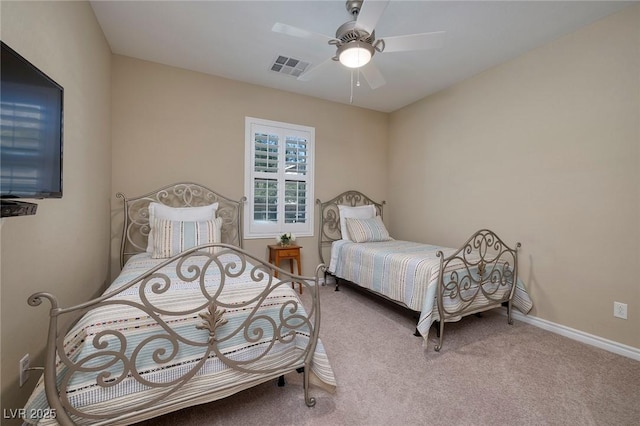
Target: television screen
{"x": 31, "y": 130}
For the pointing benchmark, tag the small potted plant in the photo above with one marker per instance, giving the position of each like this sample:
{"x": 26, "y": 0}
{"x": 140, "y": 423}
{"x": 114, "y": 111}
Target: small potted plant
{"x": 286, "y": 238}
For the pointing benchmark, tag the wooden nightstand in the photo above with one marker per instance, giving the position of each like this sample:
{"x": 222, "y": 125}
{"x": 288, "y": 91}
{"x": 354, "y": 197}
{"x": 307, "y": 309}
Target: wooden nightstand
{"x": 278, "y": 253}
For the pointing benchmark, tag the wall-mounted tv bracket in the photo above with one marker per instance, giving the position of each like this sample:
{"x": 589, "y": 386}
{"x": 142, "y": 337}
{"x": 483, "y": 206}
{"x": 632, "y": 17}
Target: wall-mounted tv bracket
{"x": 9, "y": 208}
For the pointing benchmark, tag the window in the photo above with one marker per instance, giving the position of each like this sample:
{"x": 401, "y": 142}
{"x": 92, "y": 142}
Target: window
{"x": 278, "y": 178}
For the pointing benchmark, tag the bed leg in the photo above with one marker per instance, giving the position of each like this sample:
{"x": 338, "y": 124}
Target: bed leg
{"x": 337, "y": 284}
{"x": 281, "y": 382}
{"x": 436, "y": 325}
{"x": 440, "y": 334}
{"x": 509, "y": 319}
{"x": 417, "y": 333}
{"x": 309, "y": 400}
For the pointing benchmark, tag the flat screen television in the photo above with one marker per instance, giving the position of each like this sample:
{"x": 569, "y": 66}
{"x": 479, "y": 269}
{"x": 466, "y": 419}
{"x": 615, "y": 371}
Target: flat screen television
{"x": 31, "y": 116}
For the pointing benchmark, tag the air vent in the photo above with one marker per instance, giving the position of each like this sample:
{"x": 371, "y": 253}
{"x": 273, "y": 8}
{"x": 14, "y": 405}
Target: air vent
{"x": 289, "y": 66}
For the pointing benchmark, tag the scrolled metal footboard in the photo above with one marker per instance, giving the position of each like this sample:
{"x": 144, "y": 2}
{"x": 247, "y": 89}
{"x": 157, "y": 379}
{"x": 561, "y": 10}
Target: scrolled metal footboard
{"x": 201, "y": 326}
{"x": 480, "y": 275}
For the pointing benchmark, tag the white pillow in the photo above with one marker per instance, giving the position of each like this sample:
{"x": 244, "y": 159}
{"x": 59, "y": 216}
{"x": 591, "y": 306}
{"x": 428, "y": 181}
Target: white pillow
{"x": 180, "y": 214}
{"x": 360, "y": 212}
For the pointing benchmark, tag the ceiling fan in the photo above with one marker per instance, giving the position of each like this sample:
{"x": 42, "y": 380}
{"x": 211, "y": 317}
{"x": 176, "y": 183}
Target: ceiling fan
{"x": 356, "y": 42}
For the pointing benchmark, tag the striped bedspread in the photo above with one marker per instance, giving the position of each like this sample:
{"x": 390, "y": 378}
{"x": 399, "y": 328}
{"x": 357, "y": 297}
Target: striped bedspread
{"x": 213, "y": 376}
{"x": 406, "y": 272}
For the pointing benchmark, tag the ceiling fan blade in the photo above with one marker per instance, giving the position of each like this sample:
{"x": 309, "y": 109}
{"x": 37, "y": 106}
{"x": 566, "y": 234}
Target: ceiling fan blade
{"x": 373, "y": 75}
{"x": 308, "y": 75}
{"x": 421, "y": 41}
{"x": 299, "y": 32}
{"x": 370, "y": 13}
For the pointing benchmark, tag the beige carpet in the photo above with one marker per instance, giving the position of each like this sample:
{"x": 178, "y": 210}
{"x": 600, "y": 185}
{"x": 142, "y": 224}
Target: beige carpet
{"x": 488, "y": 373}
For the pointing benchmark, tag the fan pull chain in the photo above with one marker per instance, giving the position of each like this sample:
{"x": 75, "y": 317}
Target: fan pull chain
{"x": 357, "y": 84}
{"x": 351, "y": 86}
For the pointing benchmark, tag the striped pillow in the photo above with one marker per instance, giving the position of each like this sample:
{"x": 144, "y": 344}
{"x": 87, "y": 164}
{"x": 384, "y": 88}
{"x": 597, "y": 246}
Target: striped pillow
{"x": 367, "y": 230}
{"x": 174, "y": 237}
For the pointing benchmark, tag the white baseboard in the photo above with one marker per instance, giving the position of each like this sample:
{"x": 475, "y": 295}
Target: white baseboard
{"x": 329, "y": 280}
{"x": 581, "y": 336}
{"x": 321, "y": 281}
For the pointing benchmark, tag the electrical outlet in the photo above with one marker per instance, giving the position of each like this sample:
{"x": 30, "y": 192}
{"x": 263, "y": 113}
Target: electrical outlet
{"x": 620, "y": 310}
{"x": 23, "y": 367}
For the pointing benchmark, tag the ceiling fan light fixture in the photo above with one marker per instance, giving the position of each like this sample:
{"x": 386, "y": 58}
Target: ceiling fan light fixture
{"x": 355, "y": 54}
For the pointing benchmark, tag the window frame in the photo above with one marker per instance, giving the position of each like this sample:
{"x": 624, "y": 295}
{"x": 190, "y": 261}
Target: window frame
{"x": 256, "y": 229}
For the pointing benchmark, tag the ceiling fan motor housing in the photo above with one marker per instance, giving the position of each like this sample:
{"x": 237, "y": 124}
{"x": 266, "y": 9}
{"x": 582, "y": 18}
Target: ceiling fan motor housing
{"x": 350, "y": 32}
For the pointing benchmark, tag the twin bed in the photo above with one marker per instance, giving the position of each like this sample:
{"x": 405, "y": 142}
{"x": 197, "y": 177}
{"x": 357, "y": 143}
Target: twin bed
{"x": 440, "y": 284}
{"x": 193, "y": 318}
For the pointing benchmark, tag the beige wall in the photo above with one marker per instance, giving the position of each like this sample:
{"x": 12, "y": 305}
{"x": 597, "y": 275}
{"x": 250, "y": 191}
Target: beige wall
{"x": 64, "y": 248}
{"x": 174, "y": 125}
{"x": 543, "y": 150}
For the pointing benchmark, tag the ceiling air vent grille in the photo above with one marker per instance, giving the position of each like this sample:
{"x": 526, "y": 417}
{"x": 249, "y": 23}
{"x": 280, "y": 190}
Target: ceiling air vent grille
{"x": 289, "y": 66}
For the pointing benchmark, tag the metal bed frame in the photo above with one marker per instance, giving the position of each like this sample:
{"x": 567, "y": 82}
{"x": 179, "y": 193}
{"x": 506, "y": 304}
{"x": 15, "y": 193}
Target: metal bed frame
{"x": 479, "y": 268}
{"x": 211, "y": 310}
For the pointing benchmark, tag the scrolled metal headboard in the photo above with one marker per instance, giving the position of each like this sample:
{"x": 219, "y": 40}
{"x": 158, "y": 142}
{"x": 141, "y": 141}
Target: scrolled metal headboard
{"x": 135, "y": 230}
{"x": 330, "y": 216}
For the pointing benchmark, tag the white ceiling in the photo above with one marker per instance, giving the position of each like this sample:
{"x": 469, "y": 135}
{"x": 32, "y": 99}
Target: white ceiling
{"x": 233, "y": 39}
